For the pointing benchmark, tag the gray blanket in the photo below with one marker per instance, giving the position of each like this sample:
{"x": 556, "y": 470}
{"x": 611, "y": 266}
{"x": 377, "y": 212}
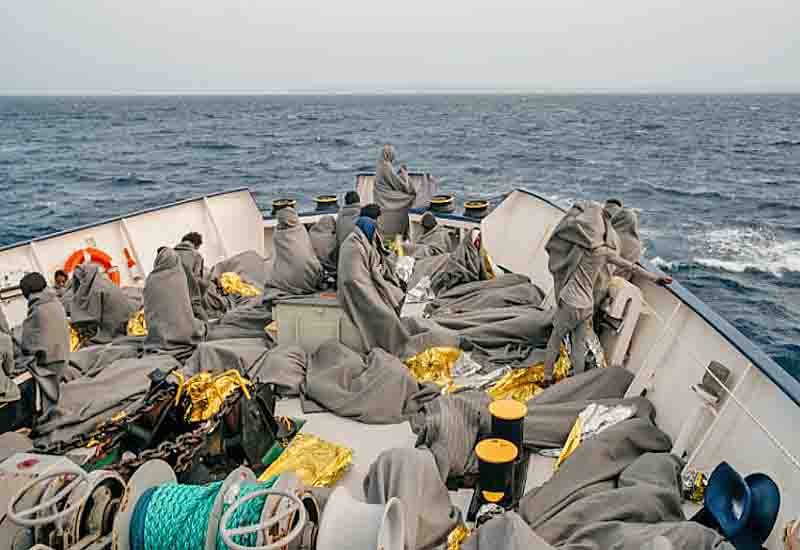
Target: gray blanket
{"x": 582, "y": 229}
{"x": 45, "y": 345}
{"x": 376, "y": 389}
{"x": 8, "y": 389}
{"x": 626, "y": 224}
{"x": 294, "y": 266}
{"x": 346, "y": 221}
{"x": 171, "y": 324}
{"x": 86, "y": 402}
{"x": 411, "y": 476}
{"x": 192, "y": 263}
{"x": 451, "y": 425}
{"x": 248, "y": 320}
{"x": 625, "y": 511}
{"x": 283, "y": 366}
{"x": 462, "y": 265}
{"x": 502, "y": 292}
{"x": 498, "y": 327}
{"x": 99, "y": 303}
{"x": 249, "y": 265}
{"x": 431, "y": 243}
{"x": 370, "y": 301}
{"x": 92, "y": 360}
{"x": 323, "y": 239}
{"x": 394, "y": 194}
{"x": 508, "y": 528}
{"x": 593, "y": 467}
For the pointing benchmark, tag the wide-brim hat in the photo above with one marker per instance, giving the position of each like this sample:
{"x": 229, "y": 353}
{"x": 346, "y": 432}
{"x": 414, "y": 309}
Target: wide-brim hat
{"x": 744, "y": 510}
{"x": 355, "y": 525}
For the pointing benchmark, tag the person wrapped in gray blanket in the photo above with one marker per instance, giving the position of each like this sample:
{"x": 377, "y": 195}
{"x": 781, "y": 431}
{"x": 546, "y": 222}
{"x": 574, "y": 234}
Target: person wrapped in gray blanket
{"x": 619, "y": 489}
{"x": 370, "y": 299}
{"x": 346, "y": 218}
{"x": 294, "y": 266}
{"x": 192, "y": 262}
{"x": 394, "y": 193}
{"x": 98, "y": 305}
{"x": 323, "y": 239}
{"x": 171, "y": 324}
{"x": 580, "y": 248}
{"x": 45, "y": 340}
{"x": 435, "y": 239}
{"x": 8, "y": 389}
{"x": 626, "y": 223}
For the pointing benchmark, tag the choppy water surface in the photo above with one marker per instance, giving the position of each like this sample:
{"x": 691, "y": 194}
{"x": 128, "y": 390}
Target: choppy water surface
{"x": 717, "y": 178}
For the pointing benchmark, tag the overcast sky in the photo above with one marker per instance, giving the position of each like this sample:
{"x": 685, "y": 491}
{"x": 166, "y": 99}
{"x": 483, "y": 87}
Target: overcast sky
{"x": 272, "y": 45}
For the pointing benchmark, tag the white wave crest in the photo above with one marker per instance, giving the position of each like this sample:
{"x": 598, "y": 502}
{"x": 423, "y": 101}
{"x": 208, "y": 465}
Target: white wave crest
{"x": 663, "y": 264}
{"x": 746, "y": 249}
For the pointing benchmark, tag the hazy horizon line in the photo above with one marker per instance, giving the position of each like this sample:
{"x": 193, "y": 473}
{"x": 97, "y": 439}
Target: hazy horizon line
{"x": 406, "y": 91}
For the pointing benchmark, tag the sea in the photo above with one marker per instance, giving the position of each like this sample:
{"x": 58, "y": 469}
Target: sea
{"x": 716, "y": 178}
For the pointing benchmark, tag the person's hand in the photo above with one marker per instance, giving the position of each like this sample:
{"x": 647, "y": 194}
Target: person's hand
{"x": 547, "y": 382}
{"x": 664, "y": 281}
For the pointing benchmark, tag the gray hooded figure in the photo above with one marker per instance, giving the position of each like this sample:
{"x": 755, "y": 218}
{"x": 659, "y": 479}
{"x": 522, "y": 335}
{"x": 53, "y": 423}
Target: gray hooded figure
{"x": 8, "y": 389}
{"x": 294, "y": 266}
{"x": 323, "y": 239}
{"x": 45, "y": 340}
{"x": 346, "y": 218}
{"x": 394, "y": 194}
{"x": 171, "y": 324}
{"x": 98, "y": 302}
{"x": 626, "y": 224}
{"x": 434, "y": 240}
{"x": 581, "y": 249}
{"x": 370, "y": 300}
{"x": 192, "y": 262}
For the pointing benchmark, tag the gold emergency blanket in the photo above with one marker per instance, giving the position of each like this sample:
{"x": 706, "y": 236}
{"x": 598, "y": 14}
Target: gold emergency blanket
{"x": 457, "y": 536}
{"x": 316, "y": 462}
{"x": 434, "y": 365}
{"x": 207, "y": 392}
{"x": 137, "y": 326}
{"x": 231, "y": 283}
{"x": 74, "y": 339}
{"x": 523, "y": 384}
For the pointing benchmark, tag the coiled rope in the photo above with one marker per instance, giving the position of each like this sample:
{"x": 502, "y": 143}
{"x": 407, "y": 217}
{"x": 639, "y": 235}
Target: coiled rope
{"x": 176, "y": 516}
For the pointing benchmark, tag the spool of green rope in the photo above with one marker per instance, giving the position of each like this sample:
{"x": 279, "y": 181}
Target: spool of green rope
{"x": 176, "y": 516}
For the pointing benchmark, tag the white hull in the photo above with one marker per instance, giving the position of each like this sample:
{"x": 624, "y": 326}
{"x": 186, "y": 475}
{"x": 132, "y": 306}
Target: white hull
{"x": 754, "y": 429}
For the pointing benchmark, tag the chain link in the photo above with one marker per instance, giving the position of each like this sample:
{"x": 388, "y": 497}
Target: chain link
{"x": 179, "y": 452}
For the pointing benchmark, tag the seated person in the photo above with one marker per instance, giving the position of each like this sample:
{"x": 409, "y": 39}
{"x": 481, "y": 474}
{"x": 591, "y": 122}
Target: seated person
{"x": 434, "y": 240}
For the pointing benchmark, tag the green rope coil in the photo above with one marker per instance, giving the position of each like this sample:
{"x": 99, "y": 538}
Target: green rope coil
{"x": 176, "y": 516}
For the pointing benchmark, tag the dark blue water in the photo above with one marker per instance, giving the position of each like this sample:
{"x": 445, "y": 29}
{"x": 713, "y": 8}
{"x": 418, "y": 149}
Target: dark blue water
{"x": 717, "y": 178}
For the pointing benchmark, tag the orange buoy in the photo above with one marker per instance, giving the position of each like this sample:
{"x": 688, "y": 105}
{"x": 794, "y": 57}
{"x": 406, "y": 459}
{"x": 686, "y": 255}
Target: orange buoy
{"x": 94, "y": 255}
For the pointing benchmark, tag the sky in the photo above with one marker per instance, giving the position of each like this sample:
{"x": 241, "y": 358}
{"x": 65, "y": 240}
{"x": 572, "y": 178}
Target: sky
{"x": 256, "y": 46}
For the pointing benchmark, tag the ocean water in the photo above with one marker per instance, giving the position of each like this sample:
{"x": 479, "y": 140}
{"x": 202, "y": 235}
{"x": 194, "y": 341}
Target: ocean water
{"x": 716, "y": 178}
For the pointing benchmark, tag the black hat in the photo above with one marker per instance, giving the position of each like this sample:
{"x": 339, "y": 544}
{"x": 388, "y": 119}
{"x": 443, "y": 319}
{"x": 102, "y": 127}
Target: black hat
{"x": 32, "y": 283}
{"x": 352, "y": 197}
{"x": 371, "y": 211}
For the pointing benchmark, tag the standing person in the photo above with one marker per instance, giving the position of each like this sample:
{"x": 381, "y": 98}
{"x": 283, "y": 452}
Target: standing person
{"x": 45, "y": 339}
{"x": 626, "y": 224}
{"x": 192, "y": 262}
{"x": 346, "y": 219}
{"x": 581, "y": 247}
{"x": 394, "y": 194}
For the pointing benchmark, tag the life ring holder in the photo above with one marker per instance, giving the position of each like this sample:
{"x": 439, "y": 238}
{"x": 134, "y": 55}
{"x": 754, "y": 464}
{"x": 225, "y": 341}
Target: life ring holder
{"x": 94, "y": 255}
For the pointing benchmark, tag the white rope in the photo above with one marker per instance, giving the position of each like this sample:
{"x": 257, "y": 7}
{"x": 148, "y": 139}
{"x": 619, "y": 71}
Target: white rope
{"x": 741, "y": 405}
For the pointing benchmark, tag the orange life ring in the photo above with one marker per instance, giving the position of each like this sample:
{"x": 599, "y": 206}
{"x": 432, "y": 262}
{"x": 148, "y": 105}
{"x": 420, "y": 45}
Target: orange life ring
{"x": 94, "y": 255}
